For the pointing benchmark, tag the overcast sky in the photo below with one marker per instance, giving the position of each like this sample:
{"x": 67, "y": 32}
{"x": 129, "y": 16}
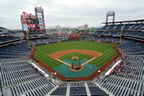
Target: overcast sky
{"x": 71, "y": 13}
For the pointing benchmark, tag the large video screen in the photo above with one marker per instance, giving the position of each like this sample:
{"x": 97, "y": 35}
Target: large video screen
{"x": 33, "y": 25}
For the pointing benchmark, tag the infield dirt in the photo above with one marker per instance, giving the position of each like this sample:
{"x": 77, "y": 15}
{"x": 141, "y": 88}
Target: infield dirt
{"x": 57, "y": 55}
{"x": 93, "y": 54}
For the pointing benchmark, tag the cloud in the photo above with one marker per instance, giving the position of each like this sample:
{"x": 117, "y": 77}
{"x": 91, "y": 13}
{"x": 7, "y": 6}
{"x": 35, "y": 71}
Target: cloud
{"x": 69, "y": 12}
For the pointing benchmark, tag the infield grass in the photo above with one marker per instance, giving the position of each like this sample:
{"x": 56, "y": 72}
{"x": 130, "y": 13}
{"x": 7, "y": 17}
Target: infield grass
{"x": 81, "y": 56}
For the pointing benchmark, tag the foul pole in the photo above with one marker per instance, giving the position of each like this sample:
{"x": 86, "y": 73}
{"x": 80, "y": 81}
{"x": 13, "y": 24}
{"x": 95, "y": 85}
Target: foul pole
{"x": 27, "y": 36}
{"x": 121, "y": 33}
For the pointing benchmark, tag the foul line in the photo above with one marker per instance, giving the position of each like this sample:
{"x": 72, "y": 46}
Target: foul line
{"x": 62, "y": 62}
{"x": 71, "y": 65}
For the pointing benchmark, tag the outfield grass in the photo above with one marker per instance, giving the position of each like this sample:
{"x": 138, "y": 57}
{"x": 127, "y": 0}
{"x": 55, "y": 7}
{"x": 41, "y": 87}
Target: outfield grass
{"x": 81, "y": 56}
{"x": 44, "y": 50}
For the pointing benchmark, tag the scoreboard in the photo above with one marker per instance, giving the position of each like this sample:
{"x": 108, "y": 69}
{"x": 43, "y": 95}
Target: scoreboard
{"x": 33, "y": 25}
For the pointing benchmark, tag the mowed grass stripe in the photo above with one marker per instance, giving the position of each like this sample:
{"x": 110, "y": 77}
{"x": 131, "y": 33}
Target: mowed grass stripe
{"x": 47, "y": 60}
{"x": 100, "y": 61}
{"x": 104, "y": 59}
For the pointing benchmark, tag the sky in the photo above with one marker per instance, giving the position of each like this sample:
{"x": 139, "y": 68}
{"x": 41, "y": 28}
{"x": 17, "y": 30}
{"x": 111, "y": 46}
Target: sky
{"x": 70, "y": 13}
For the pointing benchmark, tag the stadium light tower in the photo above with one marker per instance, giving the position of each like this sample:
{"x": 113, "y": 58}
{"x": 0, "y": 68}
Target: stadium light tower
{"x": 109, "y": 14}
{"x": 39, "y": 13}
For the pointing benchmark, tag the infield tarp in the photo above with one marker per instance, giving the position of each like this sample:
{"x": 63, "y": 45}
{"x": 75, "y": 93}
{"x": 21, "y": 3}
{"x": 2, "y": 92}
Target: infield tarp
{"x": 87, "y": 70}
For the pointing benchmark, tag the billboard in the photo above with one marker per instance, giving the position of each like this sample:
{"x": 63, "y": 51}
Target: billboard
{"x": 33, "y": 25}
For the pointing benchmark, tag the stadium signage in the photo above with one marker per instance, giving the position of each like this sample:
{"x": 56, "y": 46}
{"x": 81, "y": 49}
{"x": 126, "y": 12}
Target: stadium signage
{"x": 28, "y": 15}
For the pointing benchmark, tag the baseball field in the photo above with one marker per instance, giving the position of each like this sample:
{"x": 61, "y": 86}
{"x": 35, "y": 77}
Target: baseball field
{"x": 92, "y": 56}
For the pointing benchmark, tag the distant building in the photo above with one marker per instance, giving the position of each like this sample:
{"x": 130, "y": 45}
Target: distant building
{"x": 83, "y": 27}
